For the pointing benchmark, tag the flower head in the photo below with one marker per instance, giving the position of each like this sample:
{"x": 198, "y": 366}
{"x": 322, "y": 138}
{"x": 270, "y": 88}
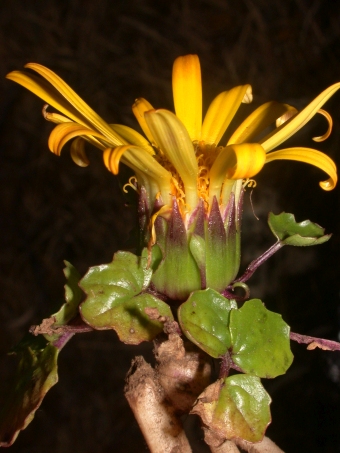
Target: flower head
{"x": 190, "y": 184}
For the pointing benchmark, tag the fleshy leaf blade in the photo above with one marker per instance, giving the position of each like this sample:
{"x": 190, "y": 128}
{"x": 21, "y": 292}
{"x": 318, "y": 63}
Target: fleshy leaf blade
{"x": 260, "y": 340}
{"x": 73, "y": 297}
{"x": 204, "y": 319}
{"x": 236, "y": 407}
{"x": 115, "y": 299}
{"x": 290, "y": 232}
{"x": 36, "y": 374}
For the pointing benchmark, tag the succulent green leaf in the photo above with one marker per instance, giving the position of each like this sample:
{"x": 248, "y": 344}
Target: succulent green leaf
{"x": 115, "y": 299}
{"x": 204, "y": 319}
{"x": 236, "y": 407}
{"x": 260, "y": 340}
{"x": 289, "y": 232}
{"x": 73, "y": 297}
{"x": 35, "y": 375}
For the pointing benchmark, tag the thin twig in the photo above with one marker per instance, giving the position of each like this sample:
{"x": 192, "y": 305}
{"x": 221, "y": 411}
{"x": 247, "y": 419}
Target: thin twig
{"x": 313, "y": 342}
{"x": 226, "y": 447}
{"x": 265, "y": 446}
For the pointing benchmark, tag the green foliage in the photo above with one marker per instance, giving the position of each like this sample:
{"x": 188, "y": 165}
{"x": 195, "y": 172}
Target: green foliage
{"x": 235, "y": 407}
{"x": 289, "y": 232}
{"x": 73, "y": 297}
{"x": 204, "y": 318}
{"x": 115, "y": 299}
{"x": 35, "y": 375}
{"x": 257, "y": 339}
{"x": 260, "y": 340}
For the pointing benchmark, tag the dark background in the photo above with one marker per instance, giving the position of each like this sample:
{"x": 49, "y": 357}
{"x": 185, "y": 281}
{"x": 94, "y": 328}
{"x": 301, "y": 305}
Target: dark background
{"x": 111, "y": 52}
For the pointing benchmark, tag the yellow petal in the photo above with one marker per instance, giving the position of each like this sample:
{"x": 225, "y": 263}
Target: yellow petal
{"x": 141, "y": 106}
{"x": 65, "y": 132}
{"x": 187, "y": 92}
{"x": 298, "y": 121}
{"x": 309, "y": 156}
{"x": 221, "y": 111}
{"x": 173, "y": 139}
{"x": 286, "y": 116}
{"x": 78, "y": 153}
{"x": 235, "y": 162}
{"x": 133, "y": 137}
{"x": 259, "y": 120}
{"x": 54, "y": 117}
{"x": 91, "y": 116}
{"x": 141, "y": 162}
{"x": 48, "y": 93}
{"x": 330, "y": 126}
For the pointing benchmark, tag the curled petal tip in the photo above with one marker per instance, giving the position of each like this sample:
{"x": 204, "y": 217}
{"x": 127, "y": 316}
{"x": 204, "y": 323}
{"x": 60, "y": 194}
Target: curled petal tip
{"x": 285, "y": 117}
{"x": 78, "y": 153}
{"x": 248, "y": 97}
{"x": 312, "y": 157}
{"x": 328, "y": 117}
{"x": 111, "y": 158}
{"x": 328, "y": 185}
{"x": 139, "y": 108}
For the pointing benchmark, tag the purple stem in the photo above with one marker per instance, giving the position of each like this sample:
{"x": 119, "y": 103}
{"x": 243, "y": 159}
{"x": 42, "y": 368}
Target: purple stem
{"x": 316, "y": 342}
{"x": 68, "y": 331}
{"x": 259, "y": 261}
{"x": 226, "y": 363}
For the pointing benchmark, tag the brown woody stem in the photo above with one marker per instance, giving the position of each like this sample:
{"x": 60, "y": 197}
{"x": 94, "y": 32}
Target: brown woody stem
{"x": 265, "y": 446}
{"x": 160, "y": 426}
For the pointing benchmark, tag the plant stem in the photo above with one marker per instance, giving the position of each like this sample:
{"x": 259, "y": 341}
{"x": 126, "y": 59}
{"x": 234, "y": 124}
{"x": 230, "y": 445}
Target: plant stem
{"x": 259, "y": 261}
{"x": 226, "y": 447}
{"x": 161, "y": 428}
{"x": 265, "y": 446}
{"x": 313, "y": 342}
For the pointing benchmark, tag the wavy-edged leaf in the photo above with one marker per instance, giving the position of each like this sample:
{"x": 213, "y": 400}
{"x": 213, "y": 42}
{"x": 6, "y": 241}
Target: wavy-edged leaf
{"x": 204, "y": 319}
{"x": 36, "y": 374}
{"x": 115, "y": 299}
{"x": 260, "y": 340}
{"x": 73, "y": 297}
{"x": 289, "y": 232}
{"x": 235, "y": 407}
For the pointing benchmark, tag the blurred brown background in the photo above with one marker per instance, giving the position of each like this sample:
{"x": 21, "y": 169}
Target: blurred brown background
{"x": 111, "y": 52}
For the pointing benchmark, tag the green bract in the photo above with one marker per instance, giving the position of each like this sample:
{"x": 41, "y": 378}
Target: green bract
{"x": 115, "y": 299}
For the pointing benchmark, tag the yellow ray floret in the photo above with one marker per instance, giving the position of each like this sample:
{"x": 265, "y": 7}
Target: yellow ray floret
{"x": 65, "y": 132}
{"x": 309, "y": 156}
{"x": 139, "y": 107}
{"x": 259, "y": 120}
{"x": 78, "y": 153}
{"x": 187, "y": 92}
{"x": 298, "y": 121}
{"x": 235, "y": 162}
{"x": 144, "y": 165}
{"x": 132, "y": 137}
{"x": 328, "y": 117}
{"x": 173, "y": 139}
{"x": 221, "y": 111}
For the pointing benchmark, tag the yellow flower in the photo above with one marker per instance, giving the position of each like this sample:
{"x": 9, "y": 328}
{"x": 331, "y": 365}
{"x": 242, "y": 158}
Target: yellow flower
{"x": 190, "y": 186}
{"x": 182, "y": 157}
